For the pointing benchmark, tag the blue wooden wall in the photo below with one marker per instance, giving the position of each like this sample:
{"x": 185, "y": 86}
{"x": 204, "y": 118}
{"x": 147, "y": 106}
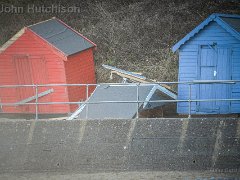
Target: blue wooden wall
{"x": 189, "y": 67}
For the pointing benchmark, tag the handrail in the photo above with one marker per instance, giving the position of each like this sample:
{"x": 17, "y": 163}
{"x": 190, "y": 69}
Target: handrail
{"x": 129, "y": 84}
{"x": 137, "y": 85}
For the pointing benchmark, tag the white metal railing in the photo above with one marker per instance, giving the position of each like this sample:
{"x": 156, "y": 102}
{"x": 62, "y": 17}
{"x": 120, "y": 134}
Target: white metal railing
{"x": 137, "y": 101}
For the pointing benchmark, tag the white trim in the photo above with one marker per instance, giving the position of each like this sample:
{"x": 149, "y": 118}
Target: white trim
{"x": 41, "y": 22}
{"x": 80, "y": 109}
{"x": 160, "y": 88}
{"x": 149, "y": 95}
{"x": 167, "y": 92}
{"x": 12, "y": 40}
{"x": 77, "y": 112}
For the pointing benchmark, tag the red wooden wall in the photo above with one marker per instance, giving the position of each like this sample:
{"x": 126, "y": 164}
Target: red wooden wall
{"x": 80, "y": 70}
{"x": 30, "y": 55}
{"x": 31, "y": 60}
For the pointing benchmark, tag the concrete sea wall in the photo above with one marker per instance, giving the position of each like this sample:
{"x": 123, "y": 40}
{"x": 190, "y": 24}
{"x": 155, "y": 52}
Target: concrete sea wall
{"x": 119, "y": 145}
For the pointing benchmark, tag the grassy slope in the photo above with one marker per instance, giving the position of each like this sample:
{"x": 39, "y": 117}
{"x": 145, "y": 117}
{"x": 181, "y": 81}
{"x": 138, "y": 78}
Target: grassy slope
{"x": 133, "y": 35}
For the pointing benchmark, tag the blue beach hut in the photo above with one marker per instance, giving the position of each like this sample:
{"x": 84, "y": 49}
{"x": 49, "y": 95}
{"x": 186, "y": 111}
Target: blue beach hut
{"x": 211, "y": 51}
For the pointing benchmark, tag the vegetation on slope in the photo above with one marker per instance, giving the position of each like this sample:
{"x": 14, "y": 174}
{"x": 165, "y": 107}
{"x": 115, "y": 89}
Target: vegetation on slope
{"x": 135, "y": 35}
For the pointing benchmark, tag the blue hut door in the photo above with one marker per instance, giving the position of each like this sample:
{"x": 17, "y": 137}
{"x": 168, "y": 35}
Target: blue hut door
{"x": 207, "y": 71}
{"x": 213, "y": 65}
{"x": 223, "y": 73}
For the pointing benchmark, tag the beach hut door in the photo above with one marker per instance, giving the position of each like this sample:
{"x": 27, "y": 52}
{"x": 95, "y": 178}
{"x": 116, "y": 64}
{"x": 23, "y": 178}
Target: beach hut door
{"x": 213, "y": 65}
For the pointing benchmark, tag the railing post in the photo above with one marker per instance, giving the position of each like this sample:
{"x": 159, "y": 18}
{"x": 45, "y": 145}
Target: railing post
{"x": 137, "y": 115}
{"x": 86, "y": 101}
{"x": 36, "y": 105}
{"x": 1, "y": 106}
{"x": 189, "y": 101}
